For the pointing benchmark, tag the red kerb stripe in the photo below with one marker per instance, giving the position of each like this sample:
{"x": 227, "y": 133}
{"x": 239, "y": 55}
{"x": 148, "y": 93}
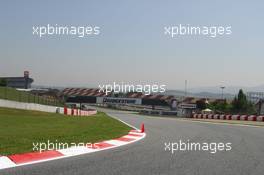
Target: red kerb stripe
{"x": 100, "y": 145}
{"x": 34, "y": 156}
{"x": 124, "y": 139}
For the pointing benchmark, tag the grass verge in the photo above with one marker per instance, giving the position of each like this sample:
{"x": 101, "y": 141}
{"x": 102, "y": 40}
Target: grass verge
{"x": 22, "y": 96}
{"x": 19, "y": 129}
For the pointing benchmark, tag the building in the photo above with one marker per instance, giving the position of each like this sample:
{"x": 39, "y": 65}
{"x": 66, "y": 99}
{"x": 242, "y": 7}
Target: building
{"x": 19, "y": 82}
{"x": 84, "y": 95}
{"x": 260, "y": 107}
{"x": 254, "y": 97}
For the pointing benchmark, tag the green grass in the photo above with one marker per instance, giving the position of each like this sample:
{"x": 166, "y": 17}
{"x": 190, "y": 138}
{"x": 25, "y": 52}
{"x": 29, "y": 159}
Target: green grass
{"x": 22, "y": 96}
{"x": 19, "y": 129}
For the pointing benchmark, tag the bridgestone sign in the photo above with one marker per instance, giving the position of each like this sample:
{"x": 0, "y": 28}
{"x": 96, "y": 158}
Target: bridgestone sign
{"x": 113, "y": 100}
{"x": 188, "y": 106}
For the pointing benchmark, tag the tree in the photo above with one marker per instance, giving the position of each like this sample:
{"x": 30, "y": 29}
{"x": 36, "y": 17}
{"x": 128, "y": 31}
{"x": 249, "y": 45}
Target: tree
{"x": 3, "y": 82}
{"x": 220, "y": 106}
{"x": 241, "y": 105}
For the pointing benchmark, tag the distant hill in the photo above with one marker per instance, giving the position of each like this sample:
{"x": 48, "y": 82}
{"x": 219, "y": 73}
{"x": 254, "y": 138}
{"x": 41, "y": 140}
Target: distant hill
{"x": 215, "y": 91}
{"x": 179, "y": 93}
{"x": 228, "y": 89}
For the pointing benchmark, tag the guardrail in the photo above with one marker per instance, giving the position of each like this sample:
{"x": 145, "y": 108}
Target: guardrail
{"x": 30, "y": 106}
{"x": 45, "y": 108}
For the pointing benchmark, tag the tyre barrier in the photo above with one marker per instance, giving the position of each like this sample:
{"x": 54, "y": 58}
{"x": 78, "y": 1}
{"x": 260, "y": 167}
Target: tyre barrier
{"x": 229, "y": 117}
{"x": 260, "y": 118}
{"x": 235, "y": 117}
{"x": 222, "y": 117}
{"x": 244, "y": 117}
{"x": 78, "y": 112}
{"x": 210, "y": 116}
{"x": 216, "y": 116}
{"x": 252, "y": 118}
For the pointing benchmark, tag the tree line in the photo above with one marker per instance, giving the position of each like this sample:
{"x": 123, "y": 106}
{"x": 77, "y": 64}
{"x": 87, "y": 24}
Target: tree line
{"x": 239, "y": 105}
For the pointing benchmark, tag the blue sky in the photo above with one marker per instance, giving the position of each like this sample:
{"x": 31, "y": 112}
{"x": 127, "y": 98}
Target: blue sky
{"x": 132, "y": 46}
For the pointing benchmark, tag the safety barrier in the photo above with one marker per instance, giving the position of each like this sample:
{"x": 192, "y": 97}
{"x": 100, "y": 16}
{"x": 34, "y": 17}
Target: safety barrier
{"x": 45, "y": 108}
{"x": 216, "y": 116}
{"x": 252, "y": 118}
{"x": 78, "y": 112}
{"x": 260, "y": 118}
{"x": 210, "y": 116}
{"x": 244, "y": 117}
{"x": 30, "y": 106}
{"x": 229, "y": 117}
{"x": 222, "y": 117}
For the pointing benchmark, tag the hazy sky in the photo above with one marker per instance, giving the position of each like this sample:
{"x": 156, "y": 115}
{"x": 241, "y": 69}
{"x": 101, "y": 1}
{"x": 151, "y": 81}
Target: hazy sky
{"x": 132, "y": 46}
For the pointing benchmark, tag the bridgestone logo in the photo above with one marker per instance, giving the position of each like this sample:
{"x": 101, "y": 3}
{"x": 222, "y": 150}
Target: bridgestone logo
{"x": 123, "y": 101}
{"x": 115, "y": 100}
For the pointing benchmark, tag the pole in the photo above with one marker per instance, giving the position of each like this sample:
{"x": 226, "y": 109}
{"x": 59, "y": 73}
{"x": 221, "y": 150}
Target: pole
{"x": 222, "y": 87}
{"x": 185, "y": 89}
{"x": 260, "y": 105}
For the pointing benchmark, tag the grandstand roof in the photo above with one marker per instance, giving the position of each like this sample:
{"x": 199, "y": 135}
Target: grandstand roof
{"x": 97, "y": 93}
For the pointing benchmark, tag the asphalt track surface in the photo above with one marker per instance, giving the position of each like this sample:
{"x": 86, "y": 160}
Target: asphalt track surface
{"x": 148, "y": 156}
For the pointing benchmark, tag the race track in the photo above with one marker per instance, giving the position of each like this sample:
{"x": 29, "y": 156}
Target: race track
{"x": 148, "y": 156}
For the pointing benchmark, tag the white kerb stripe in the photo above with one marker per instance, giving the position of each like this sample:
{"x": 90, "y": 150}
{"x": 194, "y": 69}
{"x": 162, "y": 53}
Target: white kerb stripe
{"x": 116, "y": 142}
{"x": 131, "y": 137}
{"x": 5, "y": 162}
{"x": 137, "y": 133}
{"x": 76, "y": 150}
